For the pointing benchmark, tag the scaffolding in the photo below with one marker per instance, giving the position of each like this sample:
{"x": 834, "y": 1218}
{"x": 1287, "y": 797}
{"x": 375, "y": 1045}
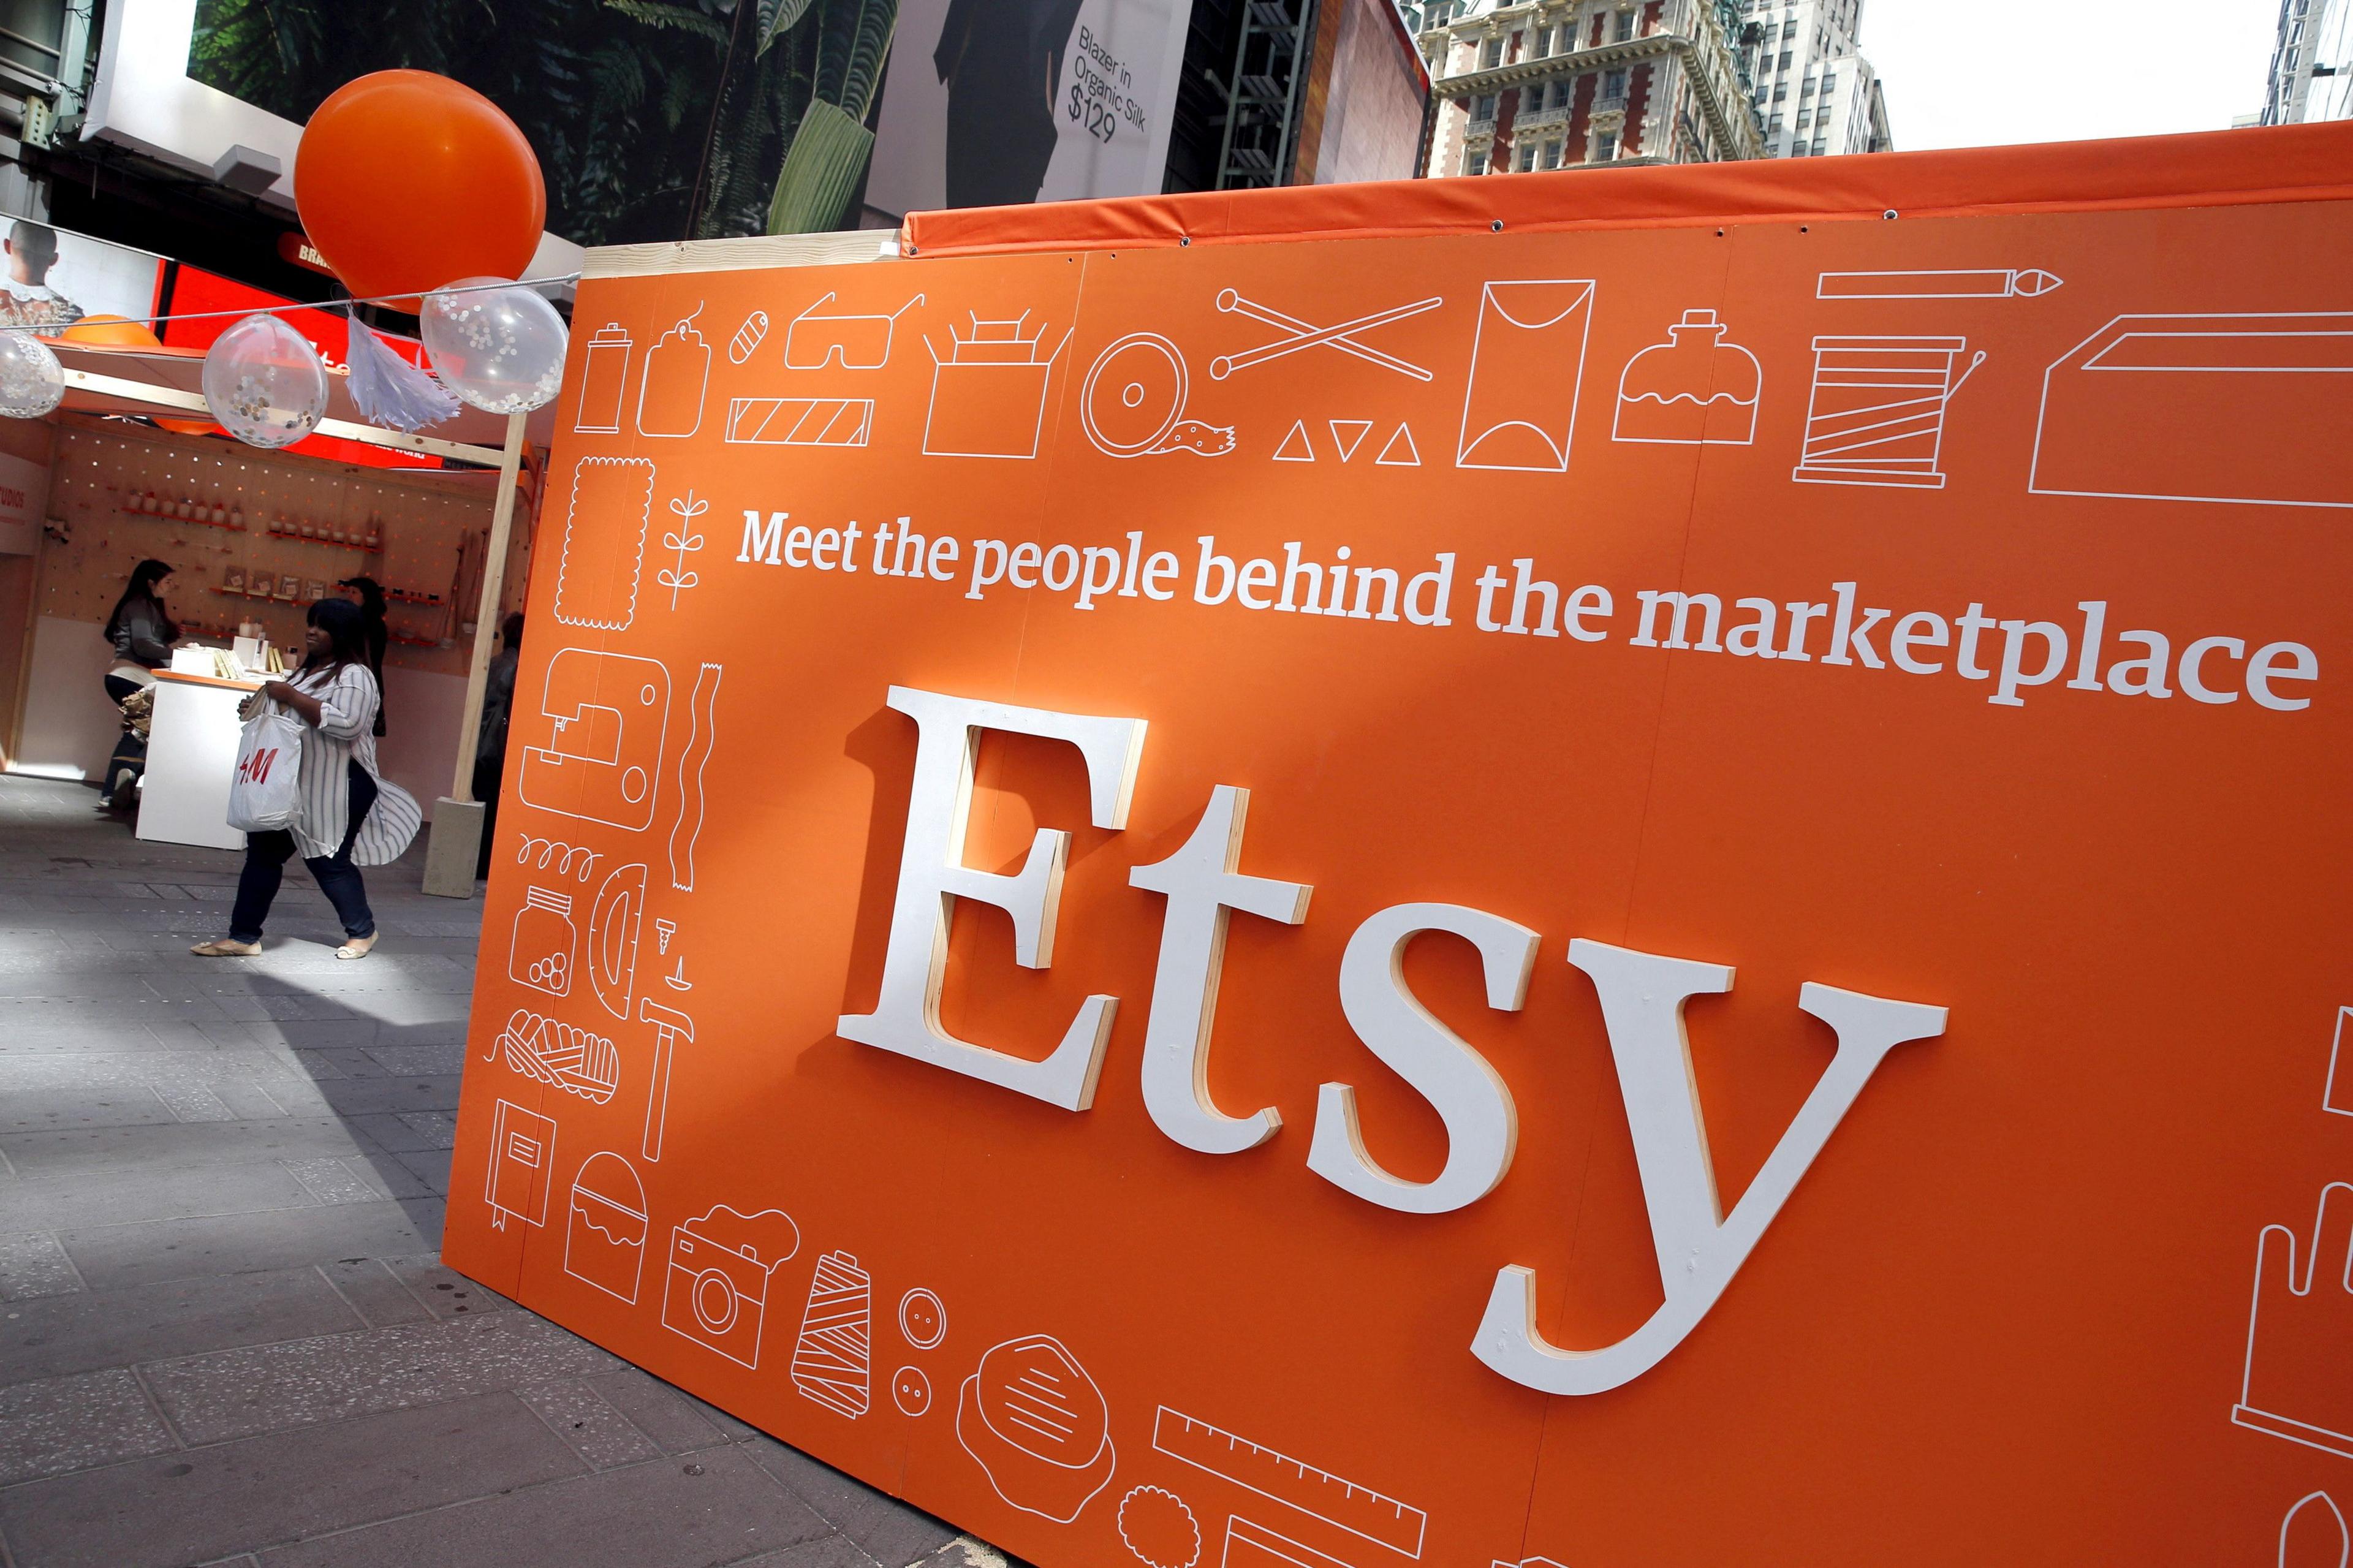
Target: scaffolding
{"x": 1262, "y": 127}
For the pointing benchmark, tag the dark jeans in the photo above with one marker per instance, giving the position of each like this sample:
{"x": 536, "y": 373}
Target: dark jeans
{"x": 265, "y": 855}
{"x": 129, "y": 756}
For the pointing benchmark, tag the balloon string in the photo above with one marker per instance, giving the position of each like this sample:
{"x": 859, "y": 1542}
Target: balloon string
{"x": 51, "y": 329}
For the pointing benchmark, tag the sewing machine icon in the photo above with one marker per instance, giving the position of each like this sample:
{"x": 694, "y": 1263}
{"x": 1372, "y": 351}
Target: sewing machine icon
{"x": 602, "y": 762}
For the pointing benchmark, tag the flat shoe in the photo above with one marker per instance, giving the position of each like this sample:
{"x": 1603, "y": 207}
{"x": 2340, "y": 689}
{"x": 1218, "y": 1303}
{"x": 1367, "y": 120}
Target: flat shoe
{"x": 226, "y": 947}
{"x": 356, "y": 947}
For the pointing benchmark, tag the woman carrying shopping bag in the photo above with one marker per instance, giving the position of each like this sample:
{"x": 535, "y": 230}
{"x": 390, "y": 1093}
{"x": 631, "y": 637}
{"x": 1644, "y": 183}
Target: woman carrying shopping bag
{"x": 347, "y": 815}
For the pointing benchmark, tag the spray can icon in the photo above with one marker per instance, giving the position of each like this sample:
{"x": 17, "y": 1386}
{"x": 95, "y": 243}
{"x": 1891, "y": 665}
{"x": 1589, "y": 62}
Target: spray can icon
{"x": 604, "y": 377}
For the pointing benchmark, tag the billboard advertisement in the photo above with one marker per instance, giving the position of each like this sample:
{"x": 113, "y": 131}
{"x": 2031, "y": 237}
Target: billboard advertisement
{"x": 1367, "y": 93}
{"x": 1660, "y": 884}
{"x": 1001, "y": 102}
{"x": 52, "y": 278}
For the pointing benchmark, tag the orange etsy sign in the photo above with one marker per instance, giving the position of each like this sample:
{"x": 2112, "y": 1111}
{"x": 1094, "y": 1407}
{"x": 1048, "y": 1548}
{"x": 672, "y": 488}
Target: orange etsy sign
{"x": 1650, "y": 889}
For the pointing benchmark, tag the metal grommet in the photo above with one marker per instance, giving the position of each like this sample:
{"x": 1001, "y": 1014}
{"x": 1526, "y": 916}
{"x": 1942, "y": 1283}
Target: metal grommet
{"x": 1889, "y": 215}
{"x": 1183, "y": 240}
{"x": 1497, "y": 226}
{"x": 910, "y": 250}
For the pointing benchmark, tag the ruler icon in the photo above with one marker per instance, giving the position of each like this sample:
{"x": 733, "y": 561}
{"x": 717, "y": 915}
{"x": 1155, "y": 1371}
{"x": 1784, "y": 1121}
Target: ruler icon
{"x": 1360, "y": 1511}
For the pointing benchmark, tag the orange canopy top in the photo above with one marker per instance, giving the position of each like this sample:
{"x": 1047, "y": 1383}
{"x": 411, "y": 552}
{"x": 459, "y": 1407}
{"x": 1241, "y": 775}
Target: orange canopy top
{"x": 2216, "y": 168}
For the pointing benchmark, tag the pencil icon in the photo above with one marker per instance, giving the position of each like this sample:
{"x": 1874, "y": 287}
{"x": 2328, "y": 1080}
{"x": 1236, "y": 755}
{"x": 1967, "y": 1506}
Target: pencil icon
{"x": 2000, "y": 283}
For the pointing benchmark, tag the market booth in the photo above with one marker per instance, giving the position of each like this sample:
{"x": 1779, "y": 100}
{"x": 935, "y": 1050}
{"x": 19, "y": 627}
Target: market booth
{"x": 1636, "y": 868}
{"x": 129, "y": 469}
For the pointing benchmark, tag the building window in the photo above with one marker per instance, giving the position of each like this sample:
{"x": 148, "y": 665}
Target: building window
{"x": 1494, "y": 55}
{"x": 1474, "y": 162}
{"x": 1605, "y": 148}
{"x": 1803, "y": 117}
{"x": 1552, "y": 155}
{"x": 1613, "y": 84}
{"x": 1784, "y": 64}
{"x": 1625, "y": 25}
{"x": 1772, "y": 126}
{"x": 1527, "y": 159}
{"x": 1483, "y": 106}
{"x": 1829, "y": 81}
{"x": 1780, "y": 92}
{"x": 1789, "y": 31}
{"x": 1807, "y": 90}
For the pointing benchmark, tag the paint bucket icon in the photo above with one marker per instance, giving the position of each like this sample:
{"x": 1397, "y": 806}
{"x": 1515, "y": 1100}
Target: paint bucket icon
{"x": 1877, "y": 417}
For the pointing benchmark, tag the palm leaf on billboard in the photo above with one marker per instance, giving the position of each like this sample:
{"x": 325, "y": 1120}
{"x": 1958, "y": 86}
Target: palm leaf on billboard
{"x": 821, "y": 172}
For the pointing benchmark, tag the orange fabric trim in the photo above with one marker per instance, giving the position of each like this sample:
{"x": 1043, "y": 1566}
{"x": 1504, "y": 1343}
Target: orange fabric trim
{"x": 2215, "y": 168}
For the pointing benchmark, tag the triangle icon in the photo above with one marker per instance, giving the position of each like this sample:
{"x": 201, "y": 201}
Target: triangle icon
{"x": 1296, "y": 447}
{"x": 1400, "y": 452}
{"x": 1348, "y": 435}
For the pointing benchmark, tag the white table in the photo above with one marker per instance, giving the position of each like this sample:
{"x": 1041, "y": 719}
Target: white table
{"x": 191, "y": 755}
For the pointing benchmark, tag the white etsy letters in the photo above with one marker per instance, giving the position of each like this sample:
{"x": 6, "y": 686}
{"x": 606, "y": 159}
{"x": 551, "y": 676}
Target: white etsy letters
{"x": 1481, "y": 1127}
{"x": 1202, "y": 885}
{"x": 1699, "y": 1251}
{"x": 1642, "y": 994}
{"x": 933, "y": 876}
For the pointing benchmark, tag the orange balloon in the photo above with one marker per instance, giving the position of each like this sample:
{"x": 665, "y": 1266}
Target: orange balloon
{"x": 192, "y": 426}
{"x": 111, "y": 332}
{"x": 406, "y": 181}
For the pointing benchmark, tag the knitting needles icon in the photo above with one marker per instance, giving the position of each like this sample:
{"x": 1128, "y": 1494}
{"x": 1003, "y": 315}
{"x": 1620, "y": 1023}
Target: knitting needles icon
{"x": 1306, "y": 335}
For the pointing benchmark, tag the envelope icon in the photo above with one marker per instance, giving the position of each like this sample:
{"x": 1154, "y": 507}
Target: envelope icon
{"x": 2213, "y": 408}
{"x": 1526, "y": 364}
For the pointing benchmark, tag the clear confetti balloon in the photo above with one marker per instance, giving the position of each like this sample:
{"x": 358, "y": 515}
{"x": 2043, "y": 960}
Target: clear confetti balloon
{"x": 31, "y": 381}
{"x": 265, "y": 383}
{"x": 501, "y": 349}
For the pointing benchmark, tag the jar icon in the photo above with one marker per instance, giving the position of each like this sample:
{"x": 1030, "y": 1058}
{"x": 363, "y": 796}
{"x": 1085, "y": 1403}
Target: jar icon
{"x": 678, "y": 367}
{"x": 1696, "y": 389}
{"x": 544, "y": 937}
{"x": 604, "y": 377}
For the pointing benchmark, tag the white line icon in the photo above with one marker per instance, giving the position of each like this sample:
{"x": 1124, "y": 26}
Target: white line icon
{"x": 1347, "y": 435}
{"x": 1358, "y": 1510}
{"x": 596, "y": 575}
{"x": 1530, "y": 1563}
{"x": 720, "y": 1266}
{"x": 604, "y": 378}
{"x": 2199, "y": 408}
{"x": 1991, "y": 283}
{"x": 800, "y": 421}
{"x": 1038, "y": 1426}
{"x": 2295, "y": 1363}
{"x": 746, "y": 340}
{"x": 2324, "y": 1531}
{"x": 1400, "y": 451}
{"x": 1527, "y": 362}
{"x": 1250, "y": 1544}
{"x": 1132, "y": 404}
{"x": 522, "y": 1147}
{"x": 1302, "y": 336}
{"x": 614, "y": 924}
{"x": 670, "y": 1027}
{"x": 544, "y": 939}
{"x": 911, "y": 1391}
{"x": 609, "y": 711}
{"x": 681, "y": 542}
{"x": 701, "y": 735}
{"x": 1697, "y": 389}
{"x": 1297, "y": 447}
{"x": 677, "y": 374}
{"x": 1877, "y": 415}
{"x": 988, "y": 394}
{"x": 1158, "y": 1527}
{"x": 923, "y": 1318}
{"x": 2338, "y": 1097}
{"x": 560, "y": 1056}
{"x": 604, "y": 1239}
{"x": 851, "y": 340}
{"x": 833, "y": 1359}
{"x": 554, "y": 852}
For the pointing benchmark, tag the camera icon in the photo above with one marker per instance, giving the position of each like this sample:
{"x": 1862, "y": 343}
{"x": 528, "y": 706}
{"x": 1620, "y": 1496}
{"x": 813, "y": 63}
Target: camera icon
{"x": 720, "y": 1265}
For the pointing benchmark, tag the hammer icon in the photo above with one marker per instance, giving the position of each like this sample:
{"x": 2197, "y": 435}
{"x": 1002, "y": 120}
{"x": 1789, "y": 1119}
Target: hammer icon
{"x": 670, "y": 1026}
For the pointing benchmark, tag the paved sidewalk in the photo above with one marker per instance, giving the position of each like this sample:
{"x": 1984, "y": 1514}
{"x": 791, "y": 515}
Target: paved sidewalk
{"x": 224, "y": 1335}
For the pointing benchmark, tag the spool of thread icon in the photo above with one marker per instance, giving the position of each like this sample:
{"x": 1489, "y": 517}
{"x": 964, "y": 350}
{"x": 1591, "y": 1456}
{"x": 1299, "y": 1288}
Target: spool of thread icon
{"x": 832, "y": 1362}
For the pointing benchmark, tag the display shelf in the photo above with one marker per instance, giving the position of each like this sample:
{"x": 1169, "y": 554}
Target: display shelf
{"x": 331, "y": 543}
{"x": 189, "y": 522}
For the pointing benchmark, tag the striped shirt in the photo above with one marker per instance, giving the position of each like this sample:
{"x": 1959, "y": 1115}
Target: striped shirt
{"x": 347, "y": 708}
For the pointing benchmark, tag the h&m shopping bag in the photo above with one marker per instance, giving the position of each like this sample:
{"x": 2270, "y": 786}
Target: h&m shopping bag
{"x": 263, "y": 794}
